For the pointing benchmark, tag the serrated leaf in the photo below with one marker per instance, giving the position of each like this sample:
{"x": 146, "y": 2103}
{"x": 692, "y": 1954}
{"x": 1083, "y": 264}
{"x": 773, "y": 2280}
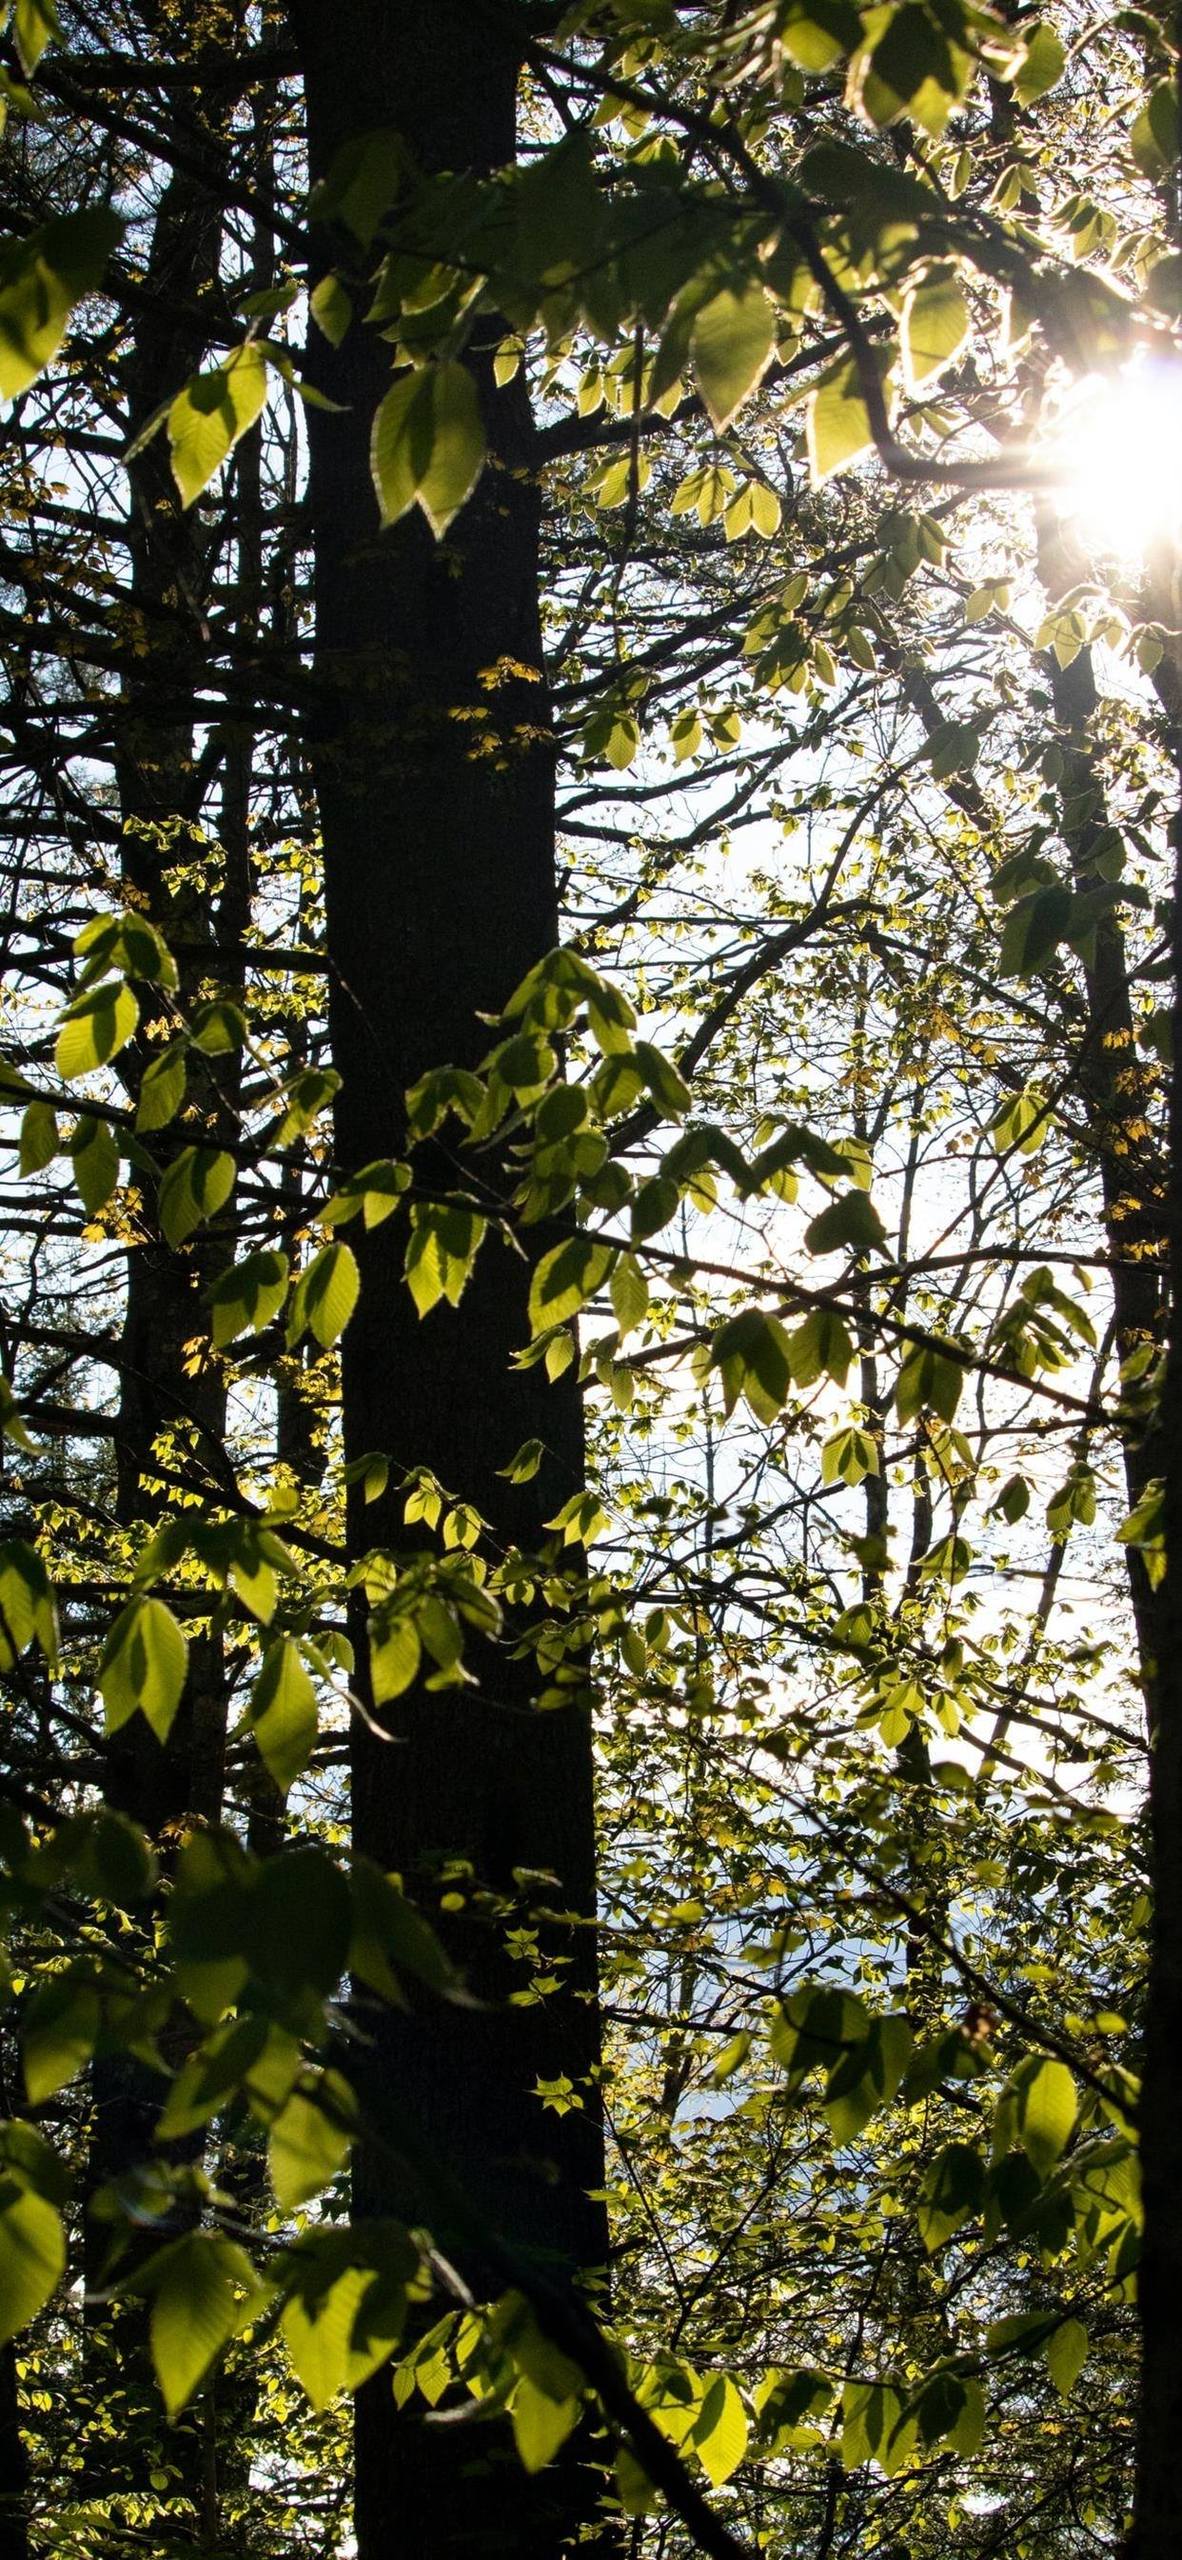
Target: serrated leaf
{"x": 283, "y": 1712}
{"x": 59, "y": 2030}
{"x": 337, "y": 2332}
{"x": 203, "y": 2289}
{"x": 731, "y": 341}
{"x": 934, "y": 329}
{"x": 331, "y": 309}
{"x": 245, "y": 1299}
{"x": 1042, "y": 67}
{"x": 94, "y": 1155}
{"x": 565, "y": 1278}
{"x": 719, "y": 2433}
{"x": 837, "y": 421}
{"x": 629, "y": 1293}
{"x": 42, "y": 278}
{"x": 38, "y": 1145}
{"x": 1066, "y": 2354}
{"x": 32, "y": 2256}
{"x": 953, "y": 2190}
{"x": 193, "y": 1188}
{"x": 143, "y": 1665}
{"x": 162, "y": 1089}
{"x": 1045, "y": 2103}
{"x": 325, "y": 1295}
{"x": 207, "y": 419}
{"x": 94, "y": 1028}
{"x": 35, "y": 23}
{"x": 428, "y": 444}
{"x": 307, "y": 2143}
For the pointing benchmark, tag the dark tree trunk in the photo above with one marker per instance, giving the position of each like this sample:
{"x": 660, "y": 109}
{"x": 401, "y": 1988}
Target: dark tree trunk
{"x": 1157, "y": 2527}
{"x": 440, "y": 889}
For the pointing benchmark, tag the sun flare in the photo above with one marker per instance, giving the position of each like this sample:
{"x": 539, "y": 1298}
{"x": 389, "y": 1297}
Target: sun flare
{"x": 1121, "y": 452}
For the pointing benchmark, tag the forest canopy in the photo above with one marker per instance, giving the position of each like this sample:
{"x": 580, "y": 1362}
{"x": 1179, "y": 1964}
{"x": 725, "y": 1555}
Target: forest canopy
{"x": 591, "y": 1207}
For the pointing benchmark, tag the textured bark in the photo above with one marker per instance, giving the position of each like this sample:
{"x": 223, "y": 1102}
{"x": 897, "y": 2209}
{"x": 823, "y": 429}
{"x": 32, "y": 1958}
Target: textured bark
{"x": 440, "y": 889}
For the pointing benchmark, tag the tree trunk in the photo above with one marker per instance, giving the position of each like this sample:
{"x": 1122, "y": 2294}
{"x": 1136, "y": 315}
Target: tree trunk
{"x": 440, "y": 892}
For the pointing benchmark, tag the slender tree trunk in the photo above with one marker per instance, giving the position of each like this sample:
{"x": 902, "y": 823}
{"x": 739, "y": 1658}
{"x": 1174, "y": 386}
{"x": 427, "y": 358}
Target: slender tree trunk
{"x": 440, "y": 891}
{"x": 1157, "y": 2526}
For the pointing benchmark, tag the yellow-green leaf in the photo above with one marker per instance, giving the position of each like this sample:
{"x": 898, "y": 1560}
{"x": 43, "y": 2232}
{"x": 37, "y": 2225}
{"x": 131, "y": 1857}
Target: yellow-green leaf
{"x": 32, "y": 2256}
{"x": 428, "y": 444}
{"x": 935, "y": 327}
{"x": 731, "y": 341}
{"x": 308, "y": 2143}
{"x": 207, "y": 419}
{"x": 283, "y": 1715}
{"x": 143, "y": 1665}
{"x": 95, "y": 1027}
{"x": 195, "y": 1186}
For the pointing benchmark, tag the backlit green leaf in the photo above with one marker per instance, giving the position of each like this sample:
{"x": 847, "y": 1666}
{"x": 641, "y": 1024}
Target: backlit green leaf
{"x": 428, "y": 444}
{"x": 731, "y": 341}
{"x": 193, "y": 1188}
{"x": 207, "y": 419}
{"x": 143, "y": 1665}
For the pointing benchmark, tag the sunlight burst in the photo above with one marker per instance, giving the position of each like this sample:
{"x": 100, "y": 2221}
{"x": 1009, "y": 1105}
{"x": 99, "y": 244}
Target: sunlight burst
{"x": 1121, "y": 449}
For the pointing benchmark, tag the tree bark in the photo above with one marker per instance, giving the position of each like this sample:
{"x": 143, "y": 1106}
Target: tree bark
{"x": 439, "y": 876}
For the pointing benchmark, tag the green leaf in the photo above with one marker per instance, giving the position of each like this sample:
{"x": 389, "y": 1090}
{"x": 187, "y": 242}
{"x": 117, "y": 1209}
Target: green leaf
{"x": 1045, "y": 2105}
{"x": 935, "y": 327}
{"x": 629, "y": 1293}
{"x": 565, "y": 1278}
{"x": 541, "y": 2424}
{"x": 953, "y": 2190}
{"x": 308, "y": 2143}
{"x": 26, "y": 1597}
{"x": 867, "y": 2077}
{"x": 94, "y": 1154}
{"x": 143, "y": 1665}
{"x": 837, "y": 421}
{"x": 1066, "y": 2354}
{"x": 331, "y": 309}
{"x": 207, "y": 419}
{"x": 343, "y": 2319}
{"x": 389, "y": 1932}
{"x": 445, "y": 1238}
{"x": 193, "y": 1188}
{"x": 325, "y": 1295}
{"x": 124, "y": 945}
{"x": 245, "y": 1299}
{"x": 1033, "y": 930}
{"x": 751, "y": 1351}
{"x": 395, "y": 1653}
{"x": 204, "y": 2290}
{"x": 731, "y": 341}
{"x": 1043, "y": 66}
{"x": 59, "y": 2030}
{"x": 94, "y": 1028}
{"x": 42, "y": 278}
{"x": 929, "y": 1381}
{"x": 821, "y": 1347}
{"x": 35, "y": 24}
{"x": 428, "y": 444}
{"x": 283, "y": 1712}
{"x": 1154, "y": 138}
{"x": 162, "y": 1089}
{"x": 719, "y": 2433}
{"x": 32, "y": 2255}
{"x": 850, "y": 1223}
{"x": 38, "y": 1145}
